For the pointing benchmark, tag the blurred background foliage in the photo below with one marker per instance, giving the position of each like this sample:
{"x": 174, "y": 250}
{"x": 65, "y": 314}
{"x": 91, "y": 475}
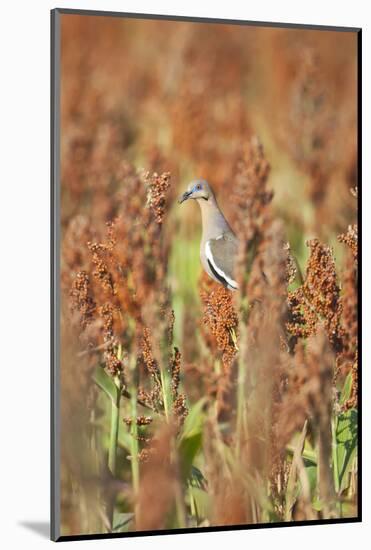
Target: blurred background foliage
{"x": 145, "y": 442}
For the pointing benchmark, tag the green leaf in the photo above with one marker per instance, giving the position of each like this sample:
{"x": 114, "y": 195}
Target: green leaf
{"x": 191, "y": 437}
{"x": 121, "y": 522}
{"x": 188, "y": 449}
{"x": 308, "y": 454}
{"x": 194, "y": 422}
{"x": 345, "y": 393}
{"x": 317, "y": 504}
{"x": 201, "y": 501}
{"x": 106, "y": 383}
{"x": 124, "y": 438}
{"x": 311, "y": 470}
{"x": 197, "y": 479}
{"x": 346, "y": 445}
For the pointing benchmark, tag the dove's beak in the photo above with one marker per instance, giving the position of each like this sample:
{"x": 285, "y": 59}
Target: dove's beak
{"x": 184, "y": 197}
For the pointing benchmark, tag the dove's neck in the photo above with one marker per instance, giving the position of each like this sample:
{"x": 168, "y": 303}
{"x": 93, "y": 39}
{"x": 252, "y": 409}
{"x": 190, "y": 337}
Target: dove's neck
{"x": 214, "y": 223}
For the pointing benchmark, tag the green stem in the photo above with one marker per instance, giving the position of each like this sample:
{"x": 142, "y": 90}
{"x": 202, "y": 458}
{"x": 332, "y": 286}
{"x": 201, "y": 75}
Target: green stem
{"x": 134, "y": 440}
{"x": 134, "y": 443}
{"x": 166, "y": 392}
{"x": 335, "y": 455}
{"x": 112, "y": 451}
{"x": 192, "y": 503}
{"x": 168, "y": 401}
{"x": 115, "y": 410}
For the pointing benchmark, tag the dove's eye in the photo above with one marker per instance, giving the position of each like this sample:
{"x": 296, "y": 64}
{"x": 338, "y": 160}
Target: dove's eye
{"x": 199, "y": 187}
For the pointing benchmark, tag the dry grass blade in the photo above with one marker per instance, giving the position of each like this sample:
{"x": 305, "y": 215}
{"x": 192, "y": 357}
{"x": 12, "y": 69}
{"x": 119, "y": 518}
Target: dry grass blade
{"x": 296, "y": 466}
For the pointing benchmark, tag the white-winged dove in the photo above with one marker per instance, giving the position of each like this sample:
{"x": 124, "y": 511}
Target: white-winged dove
{"x": 219, "y": 245}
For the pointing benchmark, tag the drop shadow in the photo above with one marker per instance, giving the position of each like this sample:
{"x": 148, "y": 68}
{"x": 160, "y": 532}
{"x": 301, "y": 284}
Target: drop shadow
{"x": 42, "y": 528}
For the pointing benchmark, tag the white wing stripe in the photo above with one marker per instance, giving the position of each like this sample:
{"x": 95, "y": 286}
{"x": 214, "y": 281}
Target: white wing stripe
{"x": 209, "y": 256}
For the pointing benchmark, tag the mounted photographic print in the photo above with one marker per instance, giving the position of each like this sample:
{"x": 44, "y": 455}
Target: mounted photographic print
{"x": 205, "y": 201}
